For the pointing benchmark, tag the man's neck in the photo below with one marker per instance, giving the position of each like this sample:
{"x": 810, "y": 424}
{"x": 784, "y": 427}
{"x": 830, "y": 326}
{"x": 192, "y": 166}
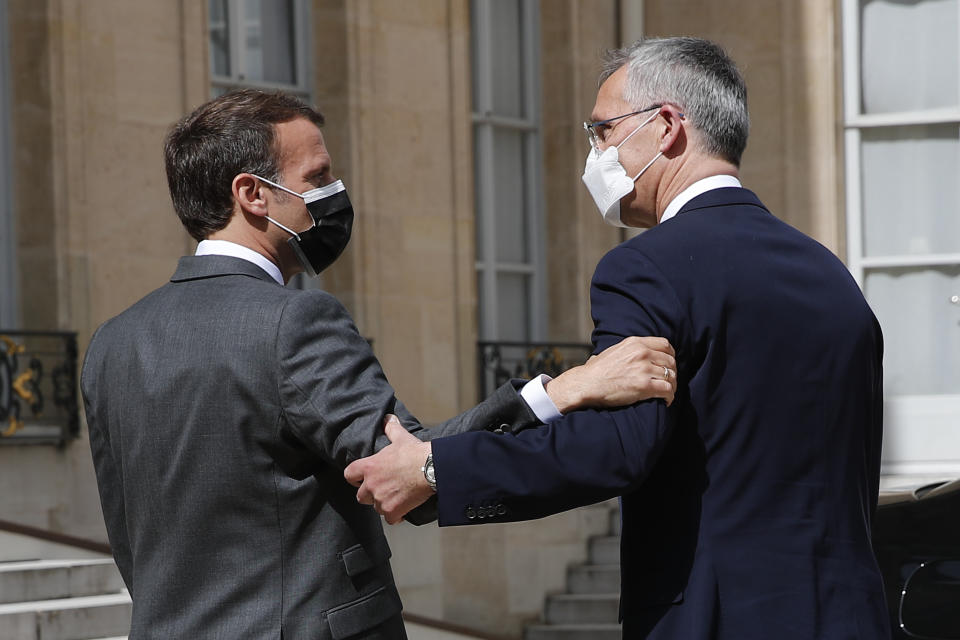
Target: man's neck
{"x": 692, "y": 170}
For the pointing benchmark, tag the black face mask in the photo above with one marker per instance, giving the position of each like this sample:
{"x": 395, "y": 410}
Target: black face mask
{"x": 320, "y": 245}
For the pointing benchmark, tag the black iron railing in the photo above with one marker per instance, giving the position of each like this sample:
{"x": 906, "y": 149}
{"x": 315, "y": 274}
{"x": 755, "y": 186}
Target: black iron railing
{"x": 500, "y": 361}
{"x": 38, "y": 387}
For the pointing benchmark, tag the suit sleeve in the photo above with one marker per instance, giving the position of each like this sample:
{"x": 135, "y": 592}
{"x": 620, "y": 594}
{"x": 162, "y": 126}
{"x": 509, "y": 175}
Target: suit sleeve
{"x": 586, "y": 456}
{"x": 108, "y": 470}
{"x": 335, "y": 395}
{"x": 502, "y": 412}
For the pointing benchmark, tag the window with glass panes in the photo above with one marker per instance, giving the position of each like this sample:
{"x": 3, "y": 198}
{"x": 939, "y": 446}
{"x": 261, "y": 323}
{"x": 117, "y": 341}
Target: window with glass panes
{"x": 507, "y": 169}
{"x": 902, "y": 121}
{"x": 259, "y": 43}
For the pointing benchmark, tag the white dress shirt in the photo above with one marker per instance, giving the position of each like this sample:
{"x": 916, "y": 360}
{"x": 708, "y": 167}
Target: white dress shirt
{"x": 533, "y": 392}
{"x": 234, "y": 250}
{"x": 694, "y": 190}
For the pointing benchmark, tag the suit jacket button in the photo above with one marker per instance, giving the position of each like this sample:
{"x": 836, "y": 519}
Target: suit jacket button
{"x": 470, "y": 513}
{"x": 501, "y": 509}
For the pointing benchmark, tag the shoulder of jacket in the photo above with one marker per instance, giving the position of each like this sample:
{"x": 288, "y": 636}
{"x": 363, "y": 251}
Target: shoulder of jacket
{"x": 128, "y": 315}
{"x": 626, "y": 251}
{"x": 313, "y": 302}
{"x": 309, "y": 297}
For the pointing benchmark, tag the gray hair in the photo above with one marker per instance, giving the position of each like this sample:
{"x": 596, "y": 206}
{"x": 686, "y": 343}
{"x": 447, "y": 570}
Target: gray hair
{"x": 697, "y": 76}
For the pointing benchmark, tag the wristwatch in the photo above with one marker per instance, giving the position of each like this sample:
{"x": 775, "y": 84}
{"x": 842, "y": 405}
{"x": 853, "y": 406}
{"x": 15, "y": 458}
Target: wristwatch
{"x": 429, "y": 473}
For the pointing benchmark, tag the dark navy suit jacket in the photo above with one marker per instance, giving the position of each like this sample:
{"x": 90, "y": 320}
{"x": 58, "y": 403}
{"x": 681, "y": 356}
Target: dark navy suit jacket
{"x": 747, "y": 504}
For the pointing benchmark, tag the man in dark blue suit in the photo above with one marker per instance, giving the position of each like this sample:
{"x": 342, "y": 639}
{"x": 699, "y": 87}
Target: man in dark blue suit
{"x": 746, "y": 504}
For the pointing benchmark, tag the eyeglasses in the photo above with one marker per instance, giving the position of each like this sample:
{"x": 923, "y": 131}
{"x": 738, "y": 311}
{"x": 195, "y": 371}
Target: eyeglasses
{"x": 595, "y": 129}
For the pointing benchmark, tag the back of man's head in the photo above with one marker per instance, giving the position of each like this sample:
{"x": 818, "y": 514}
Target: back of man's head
{"x": 697, "y": 76}
{"x": 227, "y": 136}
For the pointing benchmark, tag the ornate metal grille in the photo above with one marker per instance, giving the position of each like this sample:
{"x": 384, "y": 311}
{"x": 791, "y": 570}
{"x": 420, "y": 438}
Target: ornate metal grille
{"x": 500, "y": 361}
{"x": 38, "y": 387}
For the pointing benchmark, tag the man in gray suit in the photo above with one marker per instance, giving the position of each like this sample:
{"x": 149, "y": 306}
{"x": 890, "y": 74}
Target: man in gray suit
{"x": 223, "y": 407}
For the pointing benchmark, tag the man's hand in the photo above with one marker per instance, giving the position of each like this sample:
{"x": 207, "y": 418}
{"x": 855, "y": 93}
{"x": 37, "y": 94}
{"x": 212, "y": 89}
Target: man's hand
{"x": 632, "y": 370}
{"x": 392, "y": 480}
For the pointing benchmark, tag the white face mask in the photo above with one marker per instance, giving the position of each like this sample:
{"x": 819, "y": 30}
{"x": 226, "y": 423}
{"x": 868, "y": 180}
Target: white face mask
{"x": 607, "y": 180}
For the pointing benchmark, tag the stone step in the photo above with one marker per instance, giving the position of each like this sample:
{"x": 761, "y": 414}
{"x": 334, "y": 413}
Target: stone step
{"x": 52, "y": 579}
{"x": 588, "y": 611}
{"x": 594, "y": 578}
{"x": 18, "y": 547}
{"x": 582, "y": 608}
{"x": 605, "y": 550}
{"x": 573, "y": 632}
{"x": 66, "y": 618}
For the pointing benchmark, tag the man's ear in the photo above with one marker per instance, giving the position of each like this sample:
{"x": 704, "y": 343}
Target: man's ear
{"x": 674, "y": 135}
{"x": 248, "y": 192}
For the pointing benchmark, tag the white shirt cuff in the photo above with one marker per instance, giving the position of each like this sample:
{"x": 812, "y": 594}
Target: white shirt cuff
{"x": 539, "y": 402}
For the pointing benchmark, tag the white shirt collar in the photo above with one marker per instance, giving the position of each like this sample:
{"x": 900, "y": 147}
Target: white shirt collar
{"x": 694, "y": 190}
{"x": 234, "y": 250}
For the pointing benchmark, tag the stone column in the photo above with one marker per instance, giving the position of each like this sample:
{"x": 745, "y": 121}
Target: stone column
{"x": 789, "y": 54}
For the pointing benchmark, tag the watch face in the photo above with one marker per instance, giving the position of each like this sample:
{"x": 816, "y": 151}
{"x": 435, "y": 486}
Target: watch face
{"x": 429, "y": 473}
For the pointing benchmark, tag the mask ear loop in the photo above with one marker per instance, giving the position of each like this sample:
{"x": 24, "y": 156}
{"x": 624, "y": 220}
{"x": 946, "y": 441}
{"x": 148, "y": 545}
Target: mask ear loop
{"x": 659, "y": 153}
{"x": 287, "y": 229}
{"x": 278, "y": 186}
{"x": 647, "y": 166}
{"x": 642, "y": 125}
{"x": 291, "y": 192}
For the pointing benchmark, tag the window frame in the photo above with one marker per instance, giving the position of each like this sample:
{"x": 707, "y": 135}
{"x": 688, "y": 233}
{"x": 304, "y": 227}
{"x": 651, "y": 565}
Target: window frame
{"x": 484, "y": 123}
{"x": 302, "y": 88}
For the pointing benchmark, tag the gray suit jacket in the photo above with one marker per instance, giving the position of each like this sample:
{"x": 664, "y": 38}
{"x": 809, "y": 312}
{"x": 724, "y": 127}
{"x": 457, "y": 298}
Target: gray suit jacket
{"x": 222, "y": 410}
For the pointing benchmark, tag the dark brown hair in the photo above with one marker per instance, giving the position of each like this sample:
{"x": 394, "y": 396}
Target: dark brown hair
{"x": 229, "y": 135}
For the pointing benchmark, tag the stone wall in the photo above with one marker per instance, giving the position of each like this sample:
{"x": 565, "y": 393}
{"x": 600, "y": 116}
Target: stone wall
{"x": 789, "y": 54}
{"x": 94, "y": 86}
{"x": 573, "y": 35}
{"x": 395, "y": 88}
